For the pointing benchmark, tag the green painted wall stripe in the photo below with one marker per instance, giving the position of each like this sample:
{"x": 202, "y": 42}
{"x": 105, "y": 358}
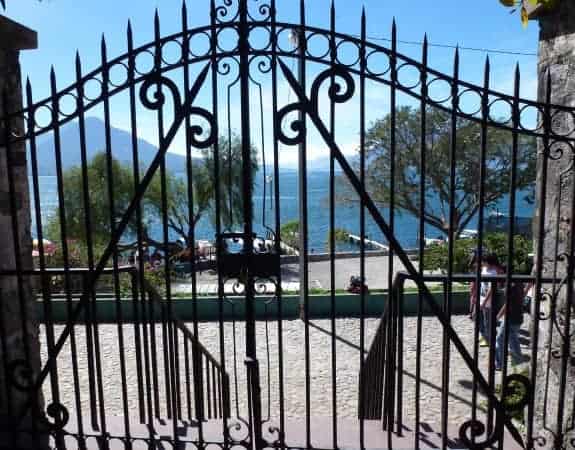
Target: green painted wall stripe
{"x": 346, "y": 305}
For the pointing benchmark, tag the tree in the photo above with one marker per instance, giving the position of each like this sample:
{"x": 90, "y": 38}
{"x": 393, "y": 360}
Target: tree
{"x": 177, "y": 202}
{"x": 204, "y": 184}
{"x": 437, "y": 178}
{"x": 289, "y": 233}
{"x": 530, "y": 8}
{"x": 436, "y": 256}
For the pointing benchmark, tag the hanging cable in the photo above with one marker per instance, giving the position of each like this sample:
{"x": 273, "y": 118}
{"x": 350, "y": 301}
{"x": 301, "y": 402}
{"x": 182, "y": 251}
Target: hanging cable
{"x": 451, "y": 46}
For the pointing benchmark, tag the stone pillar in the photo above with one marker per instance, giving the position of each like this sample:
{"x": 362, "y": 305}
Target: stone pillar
{"x": 556, "y": 55}
{"x": 18, "y": 332}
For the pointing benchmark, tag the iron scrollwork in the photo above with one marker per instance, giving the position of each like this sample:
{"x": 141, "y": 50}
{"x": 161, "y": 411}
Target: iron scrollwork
{"x": 21, "y": 376}
{"x": 515, "y": 395}
{"x": 336, "y": 92}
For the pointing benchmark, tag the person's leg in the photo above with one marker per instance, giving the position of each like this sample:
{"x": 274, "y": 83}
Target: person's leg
{"x": 514, "y": 345}
{"x": 487, "y": 324}
{"x": 499, "y": 346}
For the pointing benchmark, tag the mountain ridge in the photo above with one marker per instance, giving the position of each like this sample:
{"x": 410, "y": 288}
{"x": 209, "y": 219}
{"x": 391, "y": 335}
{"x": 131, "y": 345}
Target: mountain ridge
{"x": 121, "y": 144}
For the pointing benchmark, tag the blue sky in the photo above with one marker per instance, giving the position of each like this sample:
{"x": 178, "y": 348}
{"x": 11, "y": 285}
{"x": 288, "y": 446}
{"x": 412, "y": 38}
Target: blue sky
{"x": 65, "y": 26}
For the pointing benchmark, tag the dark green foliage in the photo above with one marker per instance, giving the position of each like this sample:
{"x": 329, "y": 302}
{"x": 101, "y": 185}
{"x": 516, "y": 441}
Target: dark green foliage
{"x": 435, "y": 257}
{"x": 177, "y": 199}
{"x": 339, "y": 235}
{"x": 289, "y": 233}
{"x": 438, "y": 152}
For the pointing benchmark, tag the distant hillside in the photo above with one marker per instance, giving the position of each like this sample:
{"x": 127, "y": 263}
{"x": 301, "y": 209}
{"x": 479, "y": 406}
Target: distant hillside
{"x": 95, "y": 143}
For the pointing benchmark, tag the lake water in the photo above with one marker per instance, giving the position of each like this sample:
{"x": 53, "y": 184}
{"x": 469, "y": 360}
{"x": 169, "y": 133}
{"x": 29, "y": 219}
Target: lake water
{"x": 346, "y": 216}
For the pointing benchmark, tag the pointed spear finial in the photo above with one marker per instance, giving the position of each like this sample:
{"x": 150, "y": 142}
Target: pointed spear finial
{"x": 363, "y": 24}
{"x": 157, "y": 23}
{"x": 332, "y": 16}
{"x": 29, "y": 98}
{"x": 28, "y": 90}
{"x": 393, "y": 35}
{"x": 129, "y": 31}
{"x": 184, "y": 8}
{"x": 53, "y": 78}
{"x": 103, "y": 49}
{"x": 456, "y": 62}
{"x": 486, "y": 72}
{"x": 424, "y": 50}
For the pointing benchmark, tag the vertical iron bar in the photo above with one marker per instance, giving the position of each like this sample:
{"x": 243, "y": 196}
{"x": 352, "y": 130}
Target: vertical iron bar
{"x": 92, "y": 322}
{"x": 399, "y": 418}
{"x": 536, "y": 308}
{"x": 172, "y": 393}
{"x": 422, "y": 204}
{"x": 363, "y": 64}
{"x": 208, "y": 389}
{"x": 450, "y": 248}
{"x": 392, "y": 150}
{"x": 515, "y": 119}
{"x": 191, "y": 239}
{"x": 277, "y": 242}
{"x": 141, "y": 276}
{"x": 65, "y": 254}
{"x": 332, "y": 242}
{"x": 480, "y": 219}
{"x": 217, "y": 196}
{"x": 251, "y": 354}
{"x": 187, "y": 377}
{"x": 112, "y": 206}
{"x": 303, "y": 225}
{"x": 48, "y": 320}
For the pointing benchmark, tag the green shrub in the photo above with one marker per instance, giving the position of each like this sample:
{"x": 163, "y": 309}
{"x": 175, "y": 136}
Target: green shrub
{"x": 435, "y": 256}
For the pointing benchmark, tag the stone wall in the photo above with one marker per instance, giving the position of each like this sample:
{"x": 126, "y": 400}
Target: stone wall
{"x": 18, "y": 329}
{"x": 556, "y": 56}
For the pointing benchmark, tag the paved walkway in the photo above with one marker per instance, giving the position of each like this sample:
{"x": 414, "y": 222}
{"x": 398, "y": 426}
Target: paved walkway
{"x": 376, "y": 270}
{"x": 324, "y": 384}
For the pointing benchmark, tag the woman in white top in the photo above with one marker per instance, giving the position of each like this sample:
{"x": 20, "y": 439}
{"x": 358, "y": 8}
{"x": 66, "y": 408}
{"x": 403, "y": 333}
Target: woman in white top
{"x": 488, "y": 298}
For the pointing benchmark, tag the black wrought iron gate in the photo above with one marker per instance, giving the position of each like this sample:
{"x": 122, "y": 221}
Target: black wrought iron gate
{"x": 175, "y": 386}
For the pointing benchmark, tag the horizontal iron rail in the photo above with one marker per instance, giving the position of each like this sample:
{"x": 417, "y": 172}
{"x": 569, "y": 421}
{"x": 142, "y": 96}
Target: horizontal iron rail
{"x": 62, "y": 271}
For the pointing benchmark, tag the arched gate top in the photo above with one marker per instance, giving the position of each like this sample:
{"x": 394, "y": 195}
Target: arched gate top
{"x": 372, "y": 61}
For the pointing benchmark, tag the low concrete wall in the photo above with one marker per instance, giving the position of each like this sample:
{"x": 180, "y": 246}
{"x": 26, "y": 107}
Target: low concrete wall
{"x": 317, "y": 257}
{"x": 320, "y": 307}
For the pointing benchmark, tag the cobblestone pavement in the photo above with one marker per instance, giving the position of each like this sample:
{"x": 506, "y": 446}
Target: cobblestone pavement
{"x": 323, "y": 352}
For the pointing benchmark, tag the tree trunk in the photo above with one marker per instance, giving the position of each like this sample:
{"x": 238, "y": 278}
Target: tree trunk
{"x": 554, "y": 388}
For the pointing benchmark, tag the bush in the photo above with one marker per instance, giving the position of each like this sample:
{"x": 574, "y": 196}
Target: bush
{"x": 289, "y": 233}
{"x": 339, "y": 235}
{"x": 435, "y": 257}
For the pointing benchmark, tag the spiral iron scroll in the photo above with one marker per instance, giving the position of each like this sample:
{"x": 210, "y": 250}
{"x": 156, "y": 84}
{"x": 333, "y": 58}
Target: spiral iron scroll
{"x": 515, "y": 396}
{"x": 337, "y": 93}
{"x": 21, "y": 375}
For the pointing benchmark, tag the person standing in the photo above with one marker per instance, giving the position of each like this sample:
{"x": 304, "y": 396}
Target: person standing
{"x": 488, "y": 298}
{"x": 513, "y": 309}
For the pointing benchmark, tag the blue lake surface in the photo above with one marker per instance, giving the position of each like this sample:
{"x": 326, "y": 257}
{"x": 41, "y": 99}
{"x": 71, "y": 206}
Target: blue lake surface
{"x": 346, "y": 216}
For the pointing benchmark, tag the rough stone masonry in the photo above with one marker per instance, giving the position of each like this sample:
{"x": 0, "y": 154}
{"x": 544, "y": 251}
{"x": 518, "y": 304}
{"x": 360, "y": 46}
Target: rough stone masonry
{"x": 553, "y": 408}
{"x": 18, "y": 330}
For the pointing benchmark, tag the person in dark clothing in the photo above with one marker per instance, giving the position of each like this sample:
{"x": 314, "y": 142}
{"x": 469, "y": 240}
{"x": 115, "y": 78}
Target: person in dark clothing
{"x": 489, "y": 299}
{"x": 513, "y": 308}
